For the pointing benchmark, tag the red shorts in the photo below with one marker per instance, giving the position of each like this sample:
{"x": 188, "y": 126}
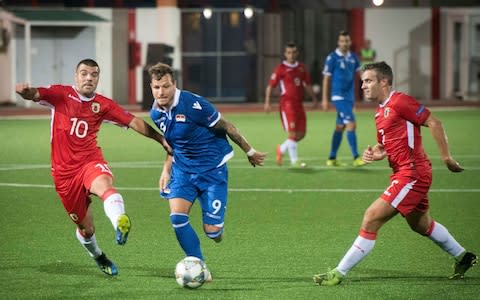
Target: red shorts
{"x": 407, "y": 194}
{"x": 74, "y": 190}
{"x": 293, "y": 117}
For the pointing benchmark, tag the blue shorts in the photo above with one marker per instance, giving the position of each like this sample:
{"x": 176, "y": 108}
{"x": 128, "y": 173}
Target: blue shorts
{"x": 344, "y": 111}
{"x": 210, "y": 188}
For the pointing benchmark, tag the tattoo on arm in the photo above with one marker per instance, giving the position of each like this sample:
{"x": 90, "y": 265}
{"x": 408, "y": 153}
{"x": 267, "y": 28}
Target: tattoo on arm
{"x": 232, "y": 133}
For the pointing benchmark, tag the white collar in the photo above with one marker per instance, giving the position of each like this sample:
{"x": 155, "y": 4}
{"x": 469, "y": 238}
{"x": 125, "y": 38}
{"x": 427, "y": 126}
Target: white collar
{"x": 340, "y": 53}
{"x": 290, "y": 65}
{"x": 82, "y": 97}
{"x": 388, "y": 99}
{"x": 176, "y": 99}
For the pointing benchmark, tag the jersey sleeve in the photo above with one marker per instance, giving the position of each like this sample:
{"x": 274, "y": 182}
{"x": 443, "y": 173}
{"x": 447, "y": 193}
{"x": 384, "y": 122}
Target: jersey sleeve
{"x": 411, "y": 110}
{"x": 275, "y": 77}
{"x": 329, "y": 66}
{"x": 117, "y": 114}
{"x": 205, "y": 114}
{"x": 51, "y": 95}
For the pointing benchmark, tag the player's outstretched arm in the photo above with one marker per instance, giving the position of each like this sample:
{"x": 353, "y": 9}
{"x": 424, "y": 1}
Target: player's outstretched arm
{"x": 440, "y": 137}
{"x": 27, "y": 92}
{"x": 145, "y": 129}
{"x": 255, "y": 157}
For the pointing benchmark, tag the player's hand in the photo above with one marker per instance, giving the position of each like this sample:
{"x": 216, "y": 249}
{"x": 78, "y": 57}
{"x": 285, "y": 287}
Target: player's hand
{"x": 368, "y": 155}
{"x": 257, "y": 158}
{"x": 324, "y": 105}
{"x": 267, "y": 107}
{"x": 23, "y": 89}
{"x": 163, "y": 181}
{"x": 453, "y": 165}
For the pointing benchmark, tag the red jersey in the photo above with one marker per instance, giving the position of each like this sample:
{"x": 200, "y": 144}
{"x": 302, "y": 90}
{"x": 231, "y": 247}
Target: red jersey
{"x": 398, "y": 122}
{"x": 292, "y": 79}
{"x": 74, "y": 126}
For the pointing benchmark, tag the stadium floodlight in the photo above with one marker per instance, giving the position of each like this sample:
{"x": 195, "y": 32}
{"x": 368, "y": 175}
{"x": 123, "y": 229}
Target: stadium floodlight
{"x": 377, "y": 2}
{"x": 207, "y": 13}
{"x": 248, "y": 12}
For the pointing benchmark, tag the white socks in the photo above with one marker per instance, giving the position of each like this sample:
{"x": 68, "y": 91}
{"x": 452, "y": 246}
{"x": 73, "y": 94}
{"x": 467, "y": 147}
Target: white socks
{"x": 89, "y": 244}
{"x": 360, "y": 248}
{"x": 440, "y": 236}
{"x": 114, "y": 207}
{"x": 291, "y": 146}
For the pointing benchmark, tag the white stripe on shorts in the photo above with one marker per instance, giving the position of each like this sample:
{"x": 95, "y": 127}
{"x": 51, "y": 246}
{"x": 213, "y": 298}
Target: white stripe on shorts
{"x": 403, "y": 193}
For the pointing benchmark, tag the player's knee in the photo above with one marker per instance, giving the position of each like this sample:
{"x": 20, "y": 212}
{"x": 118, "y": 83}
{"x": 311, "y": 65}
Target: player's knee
{"x": 214, "y": 232}
{"x": 179, "y": 220}
{"x": 86, "y": 232}
{"x": 351, "y": 126}
{"x": 300, "y": 136}
{"x": 422, "y": 229}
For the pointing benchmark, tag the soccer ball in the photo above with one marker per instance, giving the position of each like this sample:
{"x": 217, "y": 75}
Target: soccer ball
{"x": 191, "y": 272}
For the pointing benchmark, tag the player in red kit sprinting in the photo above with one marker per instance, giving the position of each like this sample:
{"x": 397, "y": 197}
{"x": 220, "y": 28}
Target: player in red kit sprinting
{"x": 78, "y": 166}
{"x": 293, "y": 78}
{"x": 398, "y": 120}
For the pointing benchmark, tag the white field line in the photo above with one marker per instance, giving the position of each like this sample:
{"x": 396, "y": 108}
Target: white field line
{"x": 265, "y": 190}
{"x": 246, "y": 166}
{"x": 45, "y": 115}
{"x": 314, "y": 163}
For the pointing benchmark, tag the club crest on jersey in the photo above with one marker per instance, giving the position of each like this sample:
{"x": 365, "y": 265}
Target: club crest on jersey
{"x": 74, "y": 217}
{"x": 180, "y": 118}
{"x": 96, "y": 107}
{"x": 386, "y": 112}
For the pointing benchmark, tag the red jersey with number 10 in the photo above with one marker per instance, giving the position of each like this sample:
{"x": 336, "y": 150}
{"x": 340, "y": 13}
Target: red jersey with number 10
{"x": 398, "y": 122}
{"x": 74, "y": 126}
{"x": 292, "y": 79}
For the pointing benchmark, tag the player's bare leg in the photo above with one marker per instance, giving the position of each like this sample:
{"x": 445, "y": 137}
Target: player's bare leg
{"x": 214, "y": 232}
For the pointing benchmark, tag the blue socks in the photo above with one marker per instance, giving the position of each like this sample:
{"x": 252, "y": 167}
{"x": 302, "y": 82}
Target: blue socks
{"x": 352, "y": 141}
{"x": 336, "y": 140}
{"x": 186, "y": 236}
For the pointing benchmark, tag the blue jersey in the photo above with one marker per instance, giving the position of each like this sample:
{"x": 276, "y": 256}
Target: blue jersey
{"x": 342, "y": 69}
{"x": 188, "y": 128}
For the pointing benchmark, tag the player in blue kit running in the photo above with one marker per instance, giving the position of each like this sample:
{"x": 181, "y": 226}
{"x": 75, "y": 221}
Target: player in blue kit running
{"x": 341, "y": 67}
{"x": 197, "y": 134}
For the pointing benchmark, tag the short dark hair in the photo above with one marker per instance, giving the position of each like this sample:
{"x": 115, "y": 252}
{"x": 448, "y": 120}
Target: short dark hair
{"x": 159, "y": 70}
{"x": 382, "y": 69}
{"x": 343, "y": 33}
{"x": 89, "y": 62}
{"x": 291, "y": 44}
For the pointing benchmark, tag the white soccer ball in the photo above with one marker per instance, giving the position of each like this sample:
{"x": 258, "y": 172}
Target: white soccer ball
{"x": 191, "y": 272}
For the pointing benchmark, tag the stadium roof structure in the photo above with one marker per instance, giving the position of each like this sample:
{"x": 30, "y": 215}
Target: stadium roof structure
{"x": 57, "y": 17}
{"x": 49, "y": 17}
